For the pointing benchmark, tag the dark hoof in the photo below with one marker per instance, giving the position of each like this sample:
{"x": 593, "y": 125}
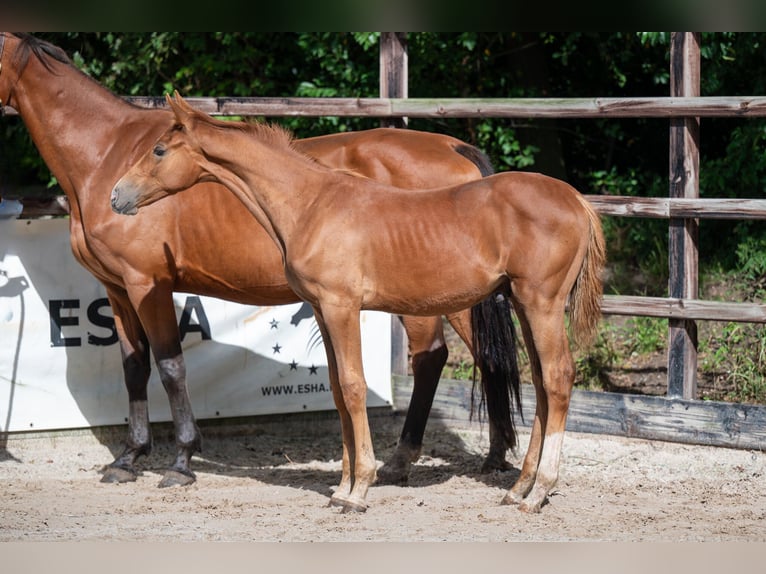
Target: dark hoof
{"x": 493, "y": 464}
{"x": 393, "y": 476}
{"x": 117, "y": 475}
{"x": 176, "y": 478}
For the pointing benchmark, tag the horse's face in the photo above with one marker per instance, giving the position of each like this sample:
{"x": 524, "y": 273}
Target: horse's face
{"x": 173, "y": 164}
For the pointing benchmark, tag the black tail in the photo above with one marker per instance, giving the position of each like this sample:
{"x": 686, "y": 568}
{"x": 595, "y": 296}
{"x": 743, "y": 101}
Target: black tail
{"x": 496, "y": 355}
{"x": 478, "y": 157}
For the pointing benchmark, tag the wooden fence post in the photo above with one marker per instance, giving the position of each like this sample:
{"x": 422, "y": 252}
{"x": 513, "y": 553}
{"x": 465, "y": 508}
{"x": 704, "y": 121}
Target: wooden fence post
{"x": 393, "y": 71}
{"x": 393, "y": 84}
{"x": 683, "y": 240}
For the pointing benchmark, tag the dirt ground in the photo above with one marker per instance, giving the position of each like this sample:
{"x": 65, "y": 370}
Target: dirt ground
{"x": 271, "y": 481}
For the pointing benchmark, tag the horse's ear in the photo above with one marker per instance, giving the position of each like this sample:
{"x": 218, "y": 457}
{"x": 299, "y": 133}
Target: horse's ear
{"x": 182, "y": 103}
{"x": 180, "y": 108}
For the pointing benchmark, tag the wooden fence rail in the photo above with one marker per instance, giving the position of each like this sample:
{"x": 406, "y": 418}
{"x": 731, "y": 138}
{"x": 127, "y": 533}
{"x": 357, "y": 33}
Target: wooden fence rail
{"x": 550, "y": 108}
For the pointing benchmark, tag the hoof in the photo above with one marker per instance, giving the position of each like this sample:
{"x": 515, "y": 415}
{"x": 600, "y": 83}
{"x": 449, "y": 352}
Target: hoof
{"x": 491, "y": 465}
{"x": 176, "y": 478}
{"x": 336, "y": 501}
{"x": 529, "y": 508}
{"x": 510, "y": 500}
{"x": 391, "y": 476}
{"x": 118, "y": 475}
{"x": 349, "y": 507}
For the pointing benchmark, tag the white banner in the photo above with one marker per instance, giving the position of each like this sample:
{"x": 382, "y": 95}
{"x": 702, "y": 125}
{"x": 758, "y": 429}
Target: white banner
{"x": 60, "y": 363}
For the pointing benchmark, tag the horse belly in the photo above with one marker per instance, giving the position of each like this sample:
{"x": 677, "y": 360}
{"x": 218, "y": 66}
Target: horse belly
{"x": 237, "y": 261}
{"x": 428, "y": 289}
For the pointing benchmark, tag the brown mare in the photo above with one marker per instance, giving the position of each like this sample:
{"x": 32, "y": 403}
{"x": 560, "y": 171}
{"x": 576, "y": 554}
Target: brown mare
{"x": 351, "y": 243}
{"x": 89, "y": 137}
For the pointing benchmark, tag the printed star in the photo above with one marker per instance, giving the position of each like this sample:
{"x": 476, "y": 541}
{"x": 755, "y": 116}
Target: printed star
{"x": 274, "y": 323}
{"x": 293, "y": 366}
{"x": 313, "y": 370}
{"x": 276, "y": 348}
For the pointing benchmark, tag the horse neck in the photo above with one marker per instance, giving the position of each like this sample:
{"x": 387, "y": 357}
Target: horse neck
{"x": 75, "y": 123}
{"x": 277, "y": 185}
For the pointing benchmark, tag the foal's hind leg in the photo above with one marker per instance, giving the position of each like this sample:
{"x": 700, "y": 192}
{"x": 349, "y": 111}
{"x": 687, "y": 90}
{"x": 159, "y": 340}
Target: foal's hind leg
{"x": 526, "y": 479}
{"x": 553, "y": 374}
{"x": 429, "y": 355}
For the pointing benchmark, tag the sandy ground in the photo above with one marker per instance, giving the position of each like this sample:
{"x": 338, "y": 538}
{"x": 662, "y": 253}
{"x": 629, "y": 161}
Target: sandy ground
{"x": 272, "y": 481}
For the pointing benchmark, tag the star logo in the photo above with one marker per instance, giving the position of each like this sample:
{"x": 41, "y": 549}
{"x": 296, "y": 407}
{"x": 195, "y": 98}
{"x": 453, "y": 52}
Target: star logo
{"x": 274, "y": 324}
{"x": 276, "y": 348}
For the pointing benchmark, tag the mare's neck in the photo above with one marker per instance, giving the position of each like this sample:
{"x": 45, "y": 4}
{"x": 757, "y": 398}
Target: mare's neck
{"x": 77, "y": 126}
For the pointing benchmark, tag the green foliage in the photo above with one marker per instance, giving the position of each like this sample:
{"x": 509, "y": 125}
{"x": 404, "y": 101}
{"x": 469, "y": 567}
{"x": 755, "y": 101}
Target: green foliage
{"x": 738, "y": 355}
{"x": 645, "y": 334}
{"x": 592, "y": 367}
{"x": 752, "y": 257}
{"x": 462, "y": 371}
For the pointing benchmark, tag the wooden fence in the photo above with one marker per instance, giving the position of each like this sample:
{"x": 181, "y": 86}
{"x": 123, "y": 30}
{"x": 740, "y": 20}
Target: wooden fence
{"x": 678, "y": 416}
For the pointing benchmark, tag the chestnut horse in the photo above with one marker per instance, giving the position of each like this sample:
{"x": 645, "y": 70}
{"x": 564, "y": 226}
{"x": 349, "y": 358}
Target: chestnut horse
{"x": 351, "y": 243}
{"x": 88, "y": 137}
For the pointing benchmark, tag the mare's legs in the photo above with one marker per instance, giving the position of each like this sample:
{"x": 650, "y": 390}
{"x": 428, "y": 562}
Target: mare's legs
{"x": 157, "y": 313}
{"x": 553, "y": 376}
{"x": 136, "y": 366}
{"x": 495, "y": 460}
{"x": 429, "y": 355}
{"x": 341, "y": 325}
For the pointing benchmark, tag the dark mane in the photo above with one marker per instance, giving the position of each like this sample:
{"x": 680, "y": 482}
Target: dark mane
{"x": 41, "y": 49}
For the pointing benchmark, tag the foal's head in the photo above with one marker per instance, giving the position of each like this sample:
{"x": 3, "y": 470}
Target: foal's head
{"x": 174, "y": 163}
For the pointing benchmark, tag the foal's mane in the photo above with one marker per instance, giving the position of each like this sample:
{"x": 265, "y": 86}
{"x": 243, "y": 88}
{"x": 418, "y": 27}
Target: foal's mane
{"x": 272, "y": 135}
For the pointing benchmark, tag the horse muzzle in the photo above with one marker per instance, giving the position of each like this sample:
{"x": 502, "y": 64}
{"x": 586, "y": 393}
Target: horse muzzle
{"x": 122, "y": 202}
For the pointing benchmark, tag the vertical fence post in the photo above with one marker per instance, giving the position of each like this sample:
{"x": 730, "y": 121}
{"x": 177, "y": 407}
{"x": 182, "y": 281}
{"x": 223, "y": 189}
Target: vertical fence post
{"x": 393, "y": 84}
{"x": 393, "y": 71}
{"x": 683, "y": 239}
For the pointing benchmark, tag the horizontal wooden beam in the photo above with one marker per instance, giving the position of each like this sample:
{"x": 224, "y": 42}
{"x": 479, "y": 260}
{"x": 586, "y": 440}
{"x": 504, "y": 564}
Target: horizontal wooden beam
{"x": 665, "y": 207}
{"x": 563, "y": 108}
{"x": 711, "y": 423}
{"x": 693, "y": 309}
{"x": 552, "y": 108}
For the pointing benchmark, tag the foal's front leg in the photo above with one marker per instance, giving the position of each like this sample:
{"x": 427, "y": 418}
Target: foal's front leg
{"x": 344, "y": 333}
{"x": 343, "y": 490}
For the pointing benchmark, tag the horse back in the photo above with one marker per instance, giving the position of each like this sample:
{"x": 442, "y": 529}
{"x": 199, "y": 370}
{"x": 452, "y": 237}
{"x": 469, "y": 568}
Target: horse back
{"x": 432, "y": 160}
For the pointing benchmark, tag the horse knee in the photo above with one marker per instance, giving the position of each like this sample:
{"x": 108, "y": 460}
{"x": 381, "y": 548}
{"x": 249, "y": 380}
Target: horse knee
{"x": 172, "y": 373}
{"x": 354, "y": 392}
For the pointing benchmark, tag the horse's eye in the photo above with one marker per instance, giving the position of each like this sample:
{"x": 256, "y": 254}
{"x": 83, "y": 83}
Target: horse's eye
{"x": 159, "y": 151}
